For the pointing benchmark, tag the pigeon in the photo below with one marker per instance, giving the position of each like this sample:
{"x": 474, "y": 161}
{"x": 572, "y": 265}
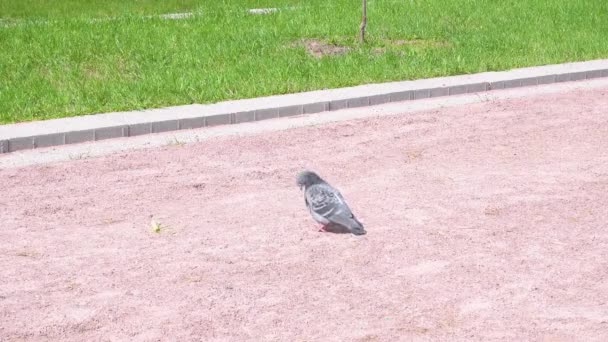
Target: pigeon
{"x": 326, "y": 204}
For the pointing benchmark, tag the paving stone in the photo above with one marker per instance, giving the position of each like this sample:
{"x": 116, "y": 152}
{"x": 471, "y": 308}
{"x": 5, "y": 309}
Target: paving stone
{"x": 140, "y": 129}
{"x": 165, "y": 126}
{"x": 191, "y": 123}
{"x": 291, "y": 111}
{"x": 401, "y": 96}
{"x": 457, "y": 90}
{"x": 215, "y": 120}
{"x": 111, "y": 132}
{"x": 338, "y": 104}
{"x": 422, "y": 94}
{"x": 18, "y": 144}
{"x": 437, "y": 92}
{"x": 358, "y": 102}
{"x": 244, "y": 116}
{"x": 265, "y": 114}
{"x": 316, "y": 107}
{"x": 379, "y": 99}
{"x": 49, "y": 140}
{"x": 477, "y": 87}
{"x": 76, "y": 137}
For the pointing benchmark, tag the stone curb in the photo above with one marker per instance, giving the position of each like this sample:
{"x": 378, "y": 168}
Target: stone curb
{"x": 47, "y": 133}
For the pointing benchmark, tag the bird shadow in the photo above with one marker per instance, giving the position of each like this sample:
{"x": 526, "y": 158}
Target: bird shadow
{"x": 336, "y": 229}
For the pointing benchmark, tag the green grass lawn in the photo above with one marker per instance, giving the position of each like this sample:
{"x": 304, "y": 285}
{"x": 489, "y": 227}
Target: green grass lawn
{"x": 57, "y": 58}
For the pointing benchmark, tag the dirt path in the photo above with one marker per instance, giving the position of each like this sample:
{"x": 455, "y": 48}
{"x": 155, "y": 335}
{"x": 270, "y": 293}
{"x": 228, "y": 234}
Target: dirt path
{"x": 485, "y": 222}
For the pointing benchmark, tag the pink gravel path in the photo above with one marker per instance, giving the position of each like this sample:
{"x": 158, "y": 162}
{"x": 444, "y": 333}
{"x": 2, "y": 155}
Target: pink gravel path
{"x": 485, "y": 222}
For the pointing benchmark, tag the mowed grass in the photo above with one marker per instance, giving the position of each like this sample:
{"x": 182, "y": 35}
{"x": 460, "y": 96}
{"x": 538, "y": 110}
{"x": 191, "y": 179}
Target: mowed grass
{"x": 69, "y": 57}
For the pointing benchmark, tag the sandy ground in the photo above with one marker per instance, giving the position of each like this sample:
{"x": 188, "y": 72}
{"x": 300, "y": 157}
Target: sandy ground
{"x": 486, "y": 221}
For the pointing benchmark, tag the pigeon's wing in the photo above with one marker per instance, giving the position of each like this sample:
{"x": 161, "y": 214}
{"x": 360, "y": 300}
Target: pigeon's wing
{"x": 327, "y": 203}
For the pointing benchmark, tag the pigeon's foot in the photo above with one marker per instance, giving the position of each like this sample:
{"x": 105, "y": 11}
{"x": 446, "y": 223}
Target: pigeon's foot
{"x": 323, "y": 229}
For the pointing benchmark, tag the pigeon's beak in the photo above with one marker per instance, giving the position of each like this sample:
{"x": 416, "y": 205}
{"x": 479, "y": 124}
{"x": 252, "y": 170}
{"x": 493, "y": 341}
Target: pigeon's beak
{"x": 359, "y": 232}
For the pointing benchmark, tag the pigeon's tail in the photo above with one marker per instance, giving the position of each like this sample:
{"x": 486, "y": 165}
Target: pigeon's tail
{"x": 349, "y": 222}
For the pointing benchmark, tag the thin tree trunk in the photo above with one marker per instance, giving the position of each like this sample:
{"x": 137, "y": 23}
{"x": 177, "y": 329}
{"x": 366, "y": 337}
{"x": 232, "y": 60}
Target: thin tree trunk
{"x": 363, "y": 22}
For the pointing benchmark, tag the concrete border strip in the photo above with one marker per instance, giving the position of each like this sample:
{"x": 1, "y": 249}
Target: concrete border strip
{"x": 187, "y": 136}
{"x": 55, "y": 132}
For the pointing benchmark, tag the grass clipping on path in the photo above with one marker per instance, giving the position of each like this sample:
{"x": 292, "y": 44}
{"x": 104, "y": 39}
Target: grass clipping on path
{"x": 96, "y": 57}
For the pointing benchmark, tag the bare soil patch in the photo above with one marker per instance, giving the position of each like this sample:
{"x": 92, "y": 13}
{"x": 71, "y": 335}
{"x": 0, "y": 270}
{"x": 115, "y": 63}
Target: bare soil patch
{"x": 319, "y": 48}
{"x": 486, "y": 222}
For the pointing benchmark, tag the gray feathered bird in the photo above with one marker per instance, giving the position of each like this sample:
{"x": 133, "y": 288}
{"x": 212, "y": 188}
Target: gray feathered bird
{"x": 326, "y": 204}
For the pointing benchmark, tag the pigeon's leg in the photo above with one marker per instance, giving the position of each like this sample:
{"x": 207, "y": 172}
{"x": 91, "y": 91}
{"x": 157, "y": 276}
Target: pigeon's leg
{"x": 323, "y": 228}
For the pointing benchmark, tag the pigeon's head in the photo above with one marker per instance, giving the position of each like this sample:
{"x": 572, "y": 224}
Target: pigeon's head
{"x": 356, "y": 227}
{"x": 307, "y": 178}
